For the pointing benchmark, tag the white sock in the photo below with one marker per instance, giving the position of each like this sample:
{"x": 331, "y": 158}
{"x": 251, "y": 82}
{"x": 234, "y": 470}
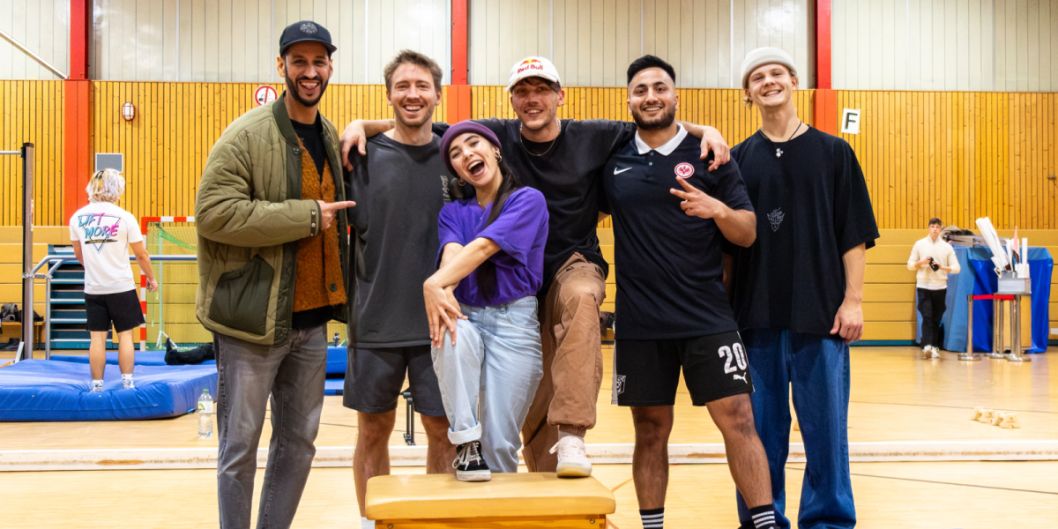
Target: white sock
{"x": 366, "y": 524}
{"x": 97, "y": 382}
{"x": 126, "y": 376}
{"x": 563, "y": 434}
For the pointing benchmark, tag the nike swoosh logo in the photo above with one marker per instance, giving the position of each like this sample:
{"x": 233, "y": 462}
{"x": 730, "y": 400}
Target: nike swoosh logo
{"x": 617, "y": 171}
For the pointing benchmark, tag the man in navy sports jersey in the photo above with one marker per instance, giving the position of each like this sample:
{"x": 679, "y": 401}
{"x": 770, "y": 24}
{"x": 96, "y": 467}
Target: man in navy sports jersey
{"x": 671, "y": 217}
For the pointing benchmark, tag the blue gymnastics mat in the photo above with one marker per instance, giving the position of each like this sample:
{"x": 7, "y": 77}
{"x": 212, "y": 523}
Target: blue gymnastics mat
{"x": 336, "y": 363}
{"x": 142, "y": 358}
{"x": 46, "y": 390}
{"x": 336, "y": 359}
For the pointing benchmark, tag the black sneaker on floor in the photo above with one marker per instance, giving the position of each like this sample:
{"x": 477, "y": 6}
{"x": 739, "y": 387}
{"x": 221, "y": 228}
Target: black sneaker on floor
{"x": 469, "y": 464}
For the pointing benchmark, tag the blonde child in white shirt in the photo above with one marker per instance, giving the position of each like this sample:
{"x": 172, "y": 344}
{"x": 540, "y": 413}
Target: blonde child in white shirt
{"x": 102, "y": 233}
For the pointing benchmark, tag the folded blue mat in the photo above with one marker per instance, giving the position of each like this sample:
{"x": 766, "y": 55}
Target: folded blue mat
{"x": 336, "y": 362}
{"x": 46, "y": 390}
{"x": 142, "y": 358}
{"x": 333, "y": 386}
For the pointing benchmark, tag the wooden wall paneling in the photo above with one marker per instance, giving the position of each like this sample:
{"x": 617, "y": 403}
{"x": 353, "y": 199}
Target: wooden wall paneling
{"x": 958, "y": 155}
{"x": 32, "y": 111}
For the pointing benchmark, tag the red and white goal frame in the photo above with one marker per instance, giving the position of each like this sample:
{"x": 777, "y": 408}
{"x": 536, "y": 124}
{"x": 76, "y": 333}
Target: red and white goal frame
{"x": 145, "y": 222}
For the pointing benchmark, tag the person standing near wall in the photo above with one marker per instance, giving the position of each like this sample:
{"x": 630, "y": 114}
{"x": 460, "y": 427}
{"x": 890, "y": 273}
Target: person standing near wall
{"x": 798, "y": 291}
{"x": 272, "y": 259}
{"x": 932, "y": 259}
{"x": 102, "y": 234}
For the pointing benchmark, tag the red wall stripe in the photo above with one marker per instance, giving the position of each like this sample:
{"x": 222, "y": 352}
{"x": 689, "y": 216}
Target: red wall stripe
{"x": 76, "y": 121}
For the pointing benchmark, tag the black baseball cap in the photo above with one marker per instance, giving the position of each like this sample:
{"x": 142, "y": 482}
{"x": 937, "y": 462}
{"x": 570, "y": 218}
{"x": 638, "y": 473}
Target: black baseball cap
{"x": 305, "y": 31}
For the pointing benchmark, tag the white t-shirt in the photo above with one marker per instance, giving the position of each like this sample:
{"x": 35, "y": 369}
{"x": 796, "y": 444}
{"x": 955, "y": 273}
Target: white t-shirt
{"x": 105, "y": 232}
{"x": 942, "y": 253}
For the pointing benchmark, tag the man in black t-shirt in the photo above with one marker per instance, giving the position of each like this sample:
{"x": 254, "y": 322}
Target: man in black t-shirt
{"x": 563, "y": 159}
{"x": 798, "y": 291}
{"x": 399, "y": 185}
{"x": 670, "y": 219}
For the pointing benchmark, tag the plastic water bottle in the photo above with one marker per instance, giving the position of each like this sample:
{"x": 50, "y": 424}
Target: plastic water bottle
{"x": 205, "y": 414}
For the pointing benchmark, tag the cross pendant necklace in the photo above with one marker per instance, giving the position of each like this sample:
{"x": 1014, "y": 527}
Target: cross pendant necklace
{"x": 778, "y": 151}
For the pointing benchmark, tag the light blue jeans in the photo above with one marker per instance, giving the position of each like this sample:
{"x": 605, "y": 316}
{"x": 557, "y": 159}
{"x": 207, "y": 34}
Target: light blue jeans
{"x": 488, "y": 378}
{"x": 291, "y": 373}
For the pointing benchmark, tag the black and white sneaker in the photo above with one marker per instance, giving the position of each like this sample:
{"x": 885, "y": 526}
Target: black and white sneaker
{"x": 469, "y": 464}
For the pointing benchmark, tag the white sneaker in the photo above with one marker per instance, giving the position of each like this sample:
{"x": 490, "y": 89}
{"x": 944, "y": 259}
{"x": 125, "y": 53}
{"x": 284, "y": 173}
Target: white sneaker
{"x": 573, "y": 459}
{"x": 927, "y": 352}
{"x": 934, "y": 352}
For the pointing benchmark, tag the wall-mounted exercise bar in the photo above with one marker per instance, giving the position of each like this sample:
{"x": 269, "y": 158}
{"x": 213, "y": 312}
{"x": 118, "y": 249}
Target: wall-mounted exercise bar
{"x": 26, "y": 152}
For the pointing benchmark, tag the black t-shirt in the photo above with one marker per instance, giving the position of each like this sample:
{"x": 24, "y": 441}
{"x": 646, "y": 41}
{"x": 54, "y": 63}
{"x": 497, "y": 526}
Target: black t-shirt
{"x": 399, "y": 190}
{"x": 312, "y": 138}
{"x": 567, "y": 171}
{"x": 812, "y": 206}
{"x": 668, "y": 264}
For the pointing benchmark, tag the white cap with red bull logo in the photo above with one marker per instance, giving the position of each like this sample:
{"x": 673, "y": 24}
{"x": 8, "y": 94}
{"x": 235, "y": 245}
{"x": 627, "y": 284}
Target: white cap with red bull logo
{"x": 533, "y": 67}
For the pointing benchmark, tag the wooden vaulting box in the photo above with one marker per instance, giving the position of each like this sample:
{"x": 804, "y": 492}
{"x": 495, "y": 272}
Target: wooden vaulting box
{"x": 533, "y": 500}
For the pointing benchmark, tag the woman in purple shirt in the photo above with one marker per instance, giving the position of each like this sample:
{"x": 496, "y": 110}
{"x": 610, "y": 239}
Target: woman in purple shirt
{"x": 481, "y": 303}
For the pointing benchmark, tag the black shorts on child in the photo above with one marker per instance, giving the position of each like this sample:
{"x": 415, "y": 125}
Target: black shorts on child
{"x": 121, "y": 308}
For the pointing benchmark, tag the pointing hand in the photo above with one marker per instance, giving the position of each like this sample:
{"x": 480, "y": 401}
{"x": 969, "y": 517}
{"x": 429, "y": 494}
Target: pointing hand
{"x": 328, "y": 210}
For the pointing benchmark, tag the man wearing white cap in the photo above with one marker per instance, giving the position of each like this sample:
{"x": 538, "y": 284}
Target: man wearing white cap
{"x": 563, "y": 159}
{"x": 798, "y": 291}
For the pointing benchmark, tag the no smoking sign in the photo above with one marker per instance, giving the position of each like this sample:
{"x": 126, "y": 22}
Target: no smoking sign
{"x": 264, "y": 94}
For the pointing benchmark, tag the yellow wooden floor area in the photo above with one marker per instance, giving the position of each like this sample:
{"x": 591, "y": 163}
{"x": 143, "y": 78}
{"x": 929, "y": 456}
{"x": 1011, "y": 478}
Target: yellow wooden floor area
{"x": 964, "y": 495}
{"x": 895, "y": 397}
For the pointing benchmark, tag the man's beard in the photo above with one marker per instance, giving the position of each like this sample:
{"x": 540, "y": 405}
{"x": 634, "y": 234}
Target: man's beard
{"x": 664, "y": 121}
{"x": 292, "y": 88}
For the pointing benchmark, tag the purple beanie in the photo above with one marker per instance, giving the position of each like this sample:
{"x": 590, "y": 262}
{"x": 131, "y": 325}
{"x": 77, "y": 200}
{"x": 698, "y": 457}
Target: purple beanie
{"x": 464, "y": 127}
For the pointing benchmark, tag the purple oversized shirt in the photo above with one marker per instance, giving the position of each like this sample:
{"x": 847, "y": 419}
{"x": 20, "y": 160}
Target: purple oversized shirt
{"x": 521, "y": 233}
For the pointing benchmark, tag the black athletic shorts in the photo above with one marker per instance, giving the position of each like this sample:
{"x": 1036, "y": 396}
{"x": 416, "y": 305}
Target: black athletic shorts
{"x": 374, "y": 378}
{"x": 647, "y": 372}
{"x": 121, "y": 308}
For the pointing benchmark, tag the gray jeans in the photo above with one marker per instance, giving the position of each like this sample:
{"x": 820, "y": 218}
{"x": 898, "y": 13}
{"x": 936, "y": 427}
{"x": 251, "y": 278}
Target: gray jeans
{"x": 293, "y": 373}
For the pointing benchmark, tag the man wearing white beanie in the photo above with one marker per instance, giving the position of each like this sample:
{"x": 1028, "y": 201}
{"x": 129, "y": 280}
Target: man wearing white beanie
{"x": 798, "y": 291}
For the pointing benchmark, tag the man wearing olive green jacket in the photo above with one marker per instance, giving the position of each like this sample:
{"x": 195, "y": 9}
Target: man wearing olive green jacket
{"x": 272, "y": 254}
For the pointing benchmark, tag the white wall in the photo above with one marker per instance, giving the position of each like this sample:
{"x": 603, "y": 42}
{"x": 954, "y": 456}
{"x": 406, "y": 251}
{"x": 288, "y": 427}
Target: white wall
{"x": 975, "y": 45}
{"x": 238, "y": 40}
{"x": 43, "y": 27}
{"x": 593, "y": 41}
{"x": 982, "y": 45}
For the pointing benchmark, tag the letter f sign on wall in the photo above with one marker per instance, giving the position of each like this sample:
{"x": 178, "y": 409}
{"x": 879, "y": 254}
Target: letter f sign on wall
{"x": 850, "y": 121}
